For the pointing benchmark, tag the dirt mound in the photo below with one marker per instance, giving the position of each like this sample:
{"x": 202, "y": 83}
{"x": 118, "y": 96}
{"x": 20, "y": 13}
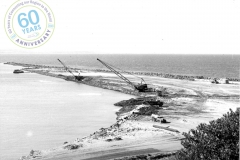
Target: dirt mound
{"x": 139, "y": 101}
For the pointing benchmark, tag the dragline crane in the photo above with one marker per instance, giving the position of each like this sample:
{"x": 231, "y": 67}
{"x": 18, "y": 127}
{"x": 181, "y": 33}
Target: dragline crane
{"x": 79, "y": 78}
{"x": 142, "y": 87}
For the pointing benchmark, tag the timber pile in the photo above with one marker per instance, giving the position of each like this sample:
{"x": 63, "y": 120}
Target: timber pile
{"x": 166, "y": 128}
{"x": 148, "y": 156}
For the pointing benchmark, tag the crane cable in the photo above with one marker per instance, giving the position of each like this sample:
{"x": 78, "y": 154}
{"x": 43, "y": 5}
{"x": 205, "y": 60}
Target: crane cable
{"x": 67, "y": 68}
{"x": 125, "y": 72}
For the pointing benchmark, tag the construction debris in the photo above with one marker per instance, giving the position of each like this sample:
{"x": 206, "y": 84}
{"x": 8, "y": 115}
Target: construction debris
{"x": 139, "y": 101}
{"x": 164, "y": 121}
{"x": 72, "y": 146}
{"x": 166, "y": 128}
{"x": 18, "y": 71}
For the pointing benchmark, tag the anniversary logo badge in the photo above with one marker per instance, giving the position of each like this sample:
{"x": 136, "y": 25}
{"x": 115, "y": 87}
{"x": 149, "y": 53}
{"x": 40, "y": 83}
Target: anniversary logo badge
{"x": 29, "y": 23}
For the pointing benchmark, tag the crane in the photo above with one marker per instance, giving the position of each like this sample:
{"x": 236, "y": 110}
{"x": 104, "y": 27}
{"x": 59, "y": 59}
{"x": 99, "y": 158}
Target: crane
{"x": 79, "y": 78}
{"x": 142, "y": 87}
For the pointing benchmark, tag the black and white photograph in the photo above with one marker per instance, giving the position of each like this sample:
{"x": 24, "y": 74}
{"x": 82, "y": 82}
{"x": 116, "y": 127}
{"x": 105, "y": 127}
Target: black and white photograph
{"x": 119, "y": 79}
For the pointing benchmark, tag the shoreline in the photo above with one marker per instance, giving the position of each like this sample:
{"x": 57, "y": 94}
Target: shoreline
{"x": 145, "y": 73}
{"x": 185, "y": 106}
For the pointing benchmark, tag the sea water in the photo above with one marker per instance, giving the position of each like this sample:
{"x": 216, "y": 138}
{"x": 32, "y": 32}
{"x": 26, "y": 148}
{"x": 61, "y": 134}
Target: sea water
{"x": 40, "y": 112}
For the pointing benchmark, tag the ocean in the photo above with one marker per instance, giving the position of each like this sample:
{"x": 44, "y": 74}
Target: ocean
{"x": 202, "y": 65}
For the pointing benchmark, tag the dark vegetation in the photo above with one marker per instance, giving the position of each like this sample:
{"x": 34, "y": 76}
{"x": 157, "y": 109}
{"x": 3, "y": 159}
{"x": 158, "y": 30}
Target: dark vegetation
{"x": 218, "y": 140}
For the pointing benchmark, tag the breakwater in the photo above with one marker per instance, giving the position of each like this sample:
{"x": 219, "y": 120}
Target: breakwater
{"x": 155, "y": 74}
{"x": 91, "y": 81}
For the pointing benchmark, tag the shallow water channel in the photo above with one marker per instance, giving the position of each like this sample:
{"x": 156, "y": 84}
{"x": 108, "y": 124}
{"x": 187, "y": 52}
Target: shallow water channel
{"x": 39, "y": 112}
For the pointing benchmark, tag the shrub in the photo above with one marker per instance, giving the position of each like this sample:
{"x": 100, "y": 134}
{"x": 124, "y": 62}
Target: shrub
{"x": 217, "y": 140}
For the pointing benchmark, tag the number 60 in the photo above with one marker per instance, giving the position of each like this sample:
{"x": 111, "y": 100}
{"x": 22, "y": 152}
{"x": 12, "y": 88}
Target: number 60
{"x": 29, "y": 17}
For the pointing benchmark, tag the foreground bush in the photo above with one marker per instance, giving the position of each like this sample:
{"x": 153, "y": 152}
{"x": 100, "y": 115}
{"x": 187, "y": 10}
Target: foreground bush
{"x": 218, "y": 140}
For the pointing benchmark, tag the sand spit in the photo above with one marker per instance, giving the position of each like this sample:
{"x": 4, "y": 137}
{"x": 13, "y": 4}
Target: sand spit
{"x": 143, "y": 127}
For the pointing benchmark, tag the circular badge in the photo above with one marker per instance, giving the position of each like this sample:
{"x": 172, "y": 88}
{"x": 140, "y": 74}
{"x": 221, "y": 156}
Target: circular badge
{"x": 29, "y": 23}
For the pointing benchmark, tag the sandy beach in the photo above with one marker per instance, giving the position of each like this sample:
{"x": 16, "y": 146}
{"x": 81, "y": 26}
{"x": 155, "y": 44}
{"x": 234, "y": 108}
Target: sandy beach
{"x": 186, "y": 103}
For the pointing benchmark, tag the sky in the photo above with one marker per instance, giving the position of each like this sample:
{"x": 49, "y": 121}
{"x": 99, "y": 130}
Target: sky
{"x": 138, "y": 26}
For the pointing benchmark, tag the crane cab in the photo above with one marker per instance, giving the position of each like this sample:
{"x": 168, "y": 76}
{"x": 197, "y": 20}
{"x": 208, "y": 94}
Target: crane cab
{"x": 141, "y": 87}
{"x": 79, "y": 78}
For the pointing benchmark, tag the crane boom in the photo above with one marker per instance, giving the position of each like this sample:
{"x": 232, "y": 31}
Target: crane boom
{"x": 66, "y": 67}
{"x": 79, "y": 78}
{"x": 140, "y": 87}
{"x": 116, "y": 72}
